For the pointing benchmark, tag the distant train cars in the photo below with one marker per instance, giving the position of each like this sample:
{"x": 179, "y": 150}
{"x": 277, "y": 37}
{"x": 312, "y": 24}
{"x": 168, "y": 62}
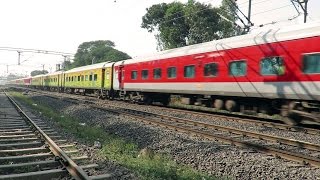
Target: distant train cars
{"x": 274, "y": 72}
{"x": 95, "y": 78}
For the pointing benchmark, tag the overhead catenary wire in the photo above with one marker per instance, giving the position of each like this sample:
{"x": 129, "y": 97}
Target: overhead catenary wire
{"x": 262, "y": 12}
{"x": 35, "y": 51}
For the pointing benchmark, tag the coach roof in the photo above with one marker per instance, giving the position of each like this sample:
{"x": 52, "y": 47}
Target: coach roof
{"x": 90, "y": 67}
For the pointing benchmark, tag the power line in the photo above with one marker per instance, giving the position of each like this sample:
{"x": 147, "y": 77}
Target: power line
{"x": 262, "y": 12}
{"x": 41, "y": 51}
{"x": 258, "y": 2}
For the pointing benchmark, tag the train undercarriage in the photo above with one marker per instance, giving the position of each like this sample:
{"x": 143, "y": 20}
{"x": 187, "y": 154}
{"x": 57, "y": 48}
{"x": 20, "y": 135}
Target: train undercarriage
{"x": 292, "y": 112}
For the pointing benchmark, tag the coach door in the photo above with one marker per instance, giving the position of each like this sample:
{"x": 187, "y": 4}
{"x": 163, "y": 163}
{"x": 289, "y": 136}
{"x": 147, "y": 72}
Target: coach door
{"x": 121, "y": 76}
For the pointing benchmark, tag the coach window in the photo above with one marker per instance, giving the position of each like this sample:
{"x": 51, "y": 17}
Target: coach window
{"x": 87, "y": 77}
{"x": 272, "y": 66}
{"x": 157, "y": 73}
{"x": 72, "y": 78}
{"x": 210, "y": 70}
{"x": 82, "y": 77}
{"x": 134, "y": 75}
{"x": 189, "y": 71}
{"x": 172, "y": 72}
{"x": 90, "y": 77}
{"x": 311, "y": 63}
{"x": 78, "y": 78}
{"x": 238, "y": 68}
{"x": 107, "y": 75}
{"x": 144, "y": 74}
{"x": 95, "y": 77}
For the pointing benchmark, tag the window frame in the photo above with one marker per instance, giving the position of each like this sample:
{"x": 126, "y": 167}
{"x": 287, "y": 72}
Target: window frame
{"x": 303, "y": 64}
{"x": 194, "y": 68}
{"x": 240, "y": 60}
{"x": 136, "y": 73}
{"x": 154, "y": 73}
{"x": 264, "y": 58}
{"x": 145, "y": 70}
{"x": 217, "y": 67}
{"x": 175, "y": 67}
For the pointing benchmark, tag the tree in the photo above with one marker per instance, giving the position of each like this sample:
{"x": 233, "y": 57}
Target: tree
{"x": 177, "y": 24}
{"x": 97, "y": 51}
{"x": 229, "y": 11}
{"x": 203, "y": 22}
{"x": 38, "y": 72}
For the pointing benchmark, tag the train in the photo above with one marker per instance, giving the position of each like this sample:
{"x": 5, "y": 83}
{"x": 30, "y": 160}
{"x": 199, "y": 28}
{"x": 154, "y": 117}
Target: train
{"x": 272, "y": 71}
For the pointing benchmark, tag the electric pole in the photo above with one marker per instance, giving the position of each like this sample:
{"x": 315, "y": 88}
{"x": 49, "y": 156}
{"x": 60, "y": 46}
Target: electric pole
{"x": 249, "y": 14}
{"x": 19, "y": 55}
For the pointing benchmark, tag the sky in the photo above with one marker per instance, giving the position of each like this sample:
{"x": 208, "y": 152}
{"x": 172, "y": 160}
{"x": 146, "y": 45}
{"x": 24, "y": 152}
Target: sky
{"x": 62, "y": 25}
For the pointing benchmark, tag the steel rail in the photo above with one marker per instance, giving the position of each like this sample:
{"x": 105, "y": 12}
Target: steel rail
{"x": 261, "y": 148}
{"x": 245, "y": 119}
{"x": 286, "y": 141}
{"x": 74, "y": 170}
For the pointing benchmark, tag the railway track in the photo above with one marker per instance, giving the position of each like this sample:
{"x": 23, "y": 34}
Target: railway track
{"x": 277, "y": 146}
{"x": 31, "y": 150}
{"x": 293, "y": 150}
{"x": 257, "y": 121}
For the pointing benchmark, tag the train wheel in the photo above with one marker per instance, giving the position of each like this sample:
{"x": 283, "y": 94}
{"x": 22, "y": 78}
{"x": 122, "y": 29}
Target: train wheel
{"x": 147, "y": 100}
{"x": 218, "y": 104}
{"x": 265, "y": 108}
{"x": 230, "y": 105}
{"x": 292, "y": 119}
{"x": 83, "y": 93}
{"x": 165, "y": 102}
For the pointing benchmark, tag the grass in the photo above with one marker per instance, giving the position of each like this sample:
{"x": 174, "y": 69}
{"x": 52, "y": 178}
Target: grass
{"x": 126, "y": 153}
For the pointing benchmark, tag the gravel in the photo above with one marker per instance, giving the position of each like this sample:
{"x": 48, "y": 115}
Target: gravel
{"x": 300, "y": 136}
{"x": 211, "y": 157}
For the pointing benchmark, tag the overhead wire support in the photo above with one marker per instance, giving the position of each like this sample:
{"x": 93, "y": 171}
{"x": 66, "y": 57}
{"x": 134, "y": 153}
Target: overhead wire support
{"x": 247, "y": 26}
{"x": 304, "y": 6}
{"x": 19, "y": 57}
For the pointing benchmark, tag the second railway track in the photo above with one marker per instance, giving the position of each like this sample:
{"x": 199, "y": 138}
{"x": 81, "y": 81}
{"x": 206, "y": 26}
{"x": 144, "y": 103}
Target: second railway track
{"x": 299, "y": 151}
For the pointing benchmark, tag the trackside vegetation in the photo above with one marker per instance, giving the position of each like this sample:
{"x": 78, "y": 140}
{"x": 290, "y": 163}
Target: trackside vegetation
{"x": 120, "y": 150}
